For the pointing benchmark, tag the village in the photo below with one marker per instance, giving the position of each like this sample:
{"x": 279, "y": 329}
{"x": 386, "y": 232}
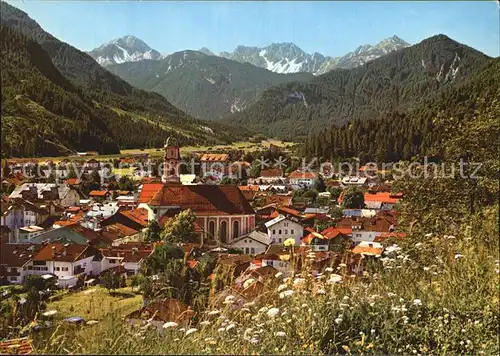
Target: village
{"x": 82, "y": 233}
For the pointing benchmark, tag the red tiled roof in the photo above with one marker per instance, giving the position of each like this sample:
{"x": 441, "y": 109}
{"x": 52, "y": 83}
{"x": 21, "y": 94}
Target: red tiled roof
{"x": 148, "y": 191}
{"x": 73, "y": 181}
{"x": 214, "y": 157}
{"x": 204, "y": 199}
{"x": 332, "y": 232}
{"x": 384, "y": 197}
{"x": 139, "y": 215}
{"x": 302, "y": 174}
{"x": 69, "y": 253}
{"x": 386, "y": 235}
{"x": 275, "y": 172}
{"x": 128, "y": 255}
{"x": 362, "y": 250}
{"x": 98, "y": 193}
{"x": 192, "y": 263}
{"x": 116, "y": 230}
{"x": 253, "y": 188}
{"x": 21, "y": 346}
{"x": 290, "y": 211}
{"x": 72, "y": 220}
{"x": 16, "y": 255}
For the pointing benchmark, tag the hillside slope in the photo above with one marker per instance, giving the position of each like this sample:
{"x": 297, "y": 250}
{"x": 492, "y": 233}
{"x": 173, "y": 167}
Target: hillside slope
{"x": 205, "y": 86}
{"x": 56, "y": 99}
{"x": 396, "y": 82}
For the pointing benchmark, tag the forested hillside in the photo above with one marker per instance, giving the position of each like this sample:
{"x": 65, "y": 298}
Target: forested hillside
{"x": 43, "y": 113}
{"x": 205, "y": 86}
{"x": 403, "y": 135}
{"x": 397, "y": 82}
{"x": 57, "y": 99}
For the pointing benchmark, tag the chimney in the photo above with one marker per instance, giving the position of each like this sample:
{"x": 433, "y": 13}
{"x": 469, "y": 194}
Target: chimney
{"x": 53, "y": 251}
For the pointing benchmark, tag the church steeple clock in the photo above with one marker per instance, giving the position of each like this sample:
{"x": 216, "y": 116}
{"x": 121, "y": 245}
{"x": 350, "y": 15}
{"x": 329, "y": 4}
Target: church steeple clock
{"x": 171, "y": 162}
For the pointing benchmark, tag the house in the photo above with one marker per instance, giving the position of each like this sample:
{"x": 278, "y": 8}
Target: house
{"x": 282, "y": 228}
{"x": 382, "y": 200}
{"x": 368, "y": 249}
{"x": 73, "y": 182}
{"x": 215, "y": 164}
{"x": 136, "y": 219}
{"x": 13, "y": 261}
{"x": 100, "y": 195}
{"x": 19, "y": 213}
{"x": 160, "y": 312}
{"x": 74, "y": 234}
{"x": 61, "y": 194}
{"x": 92, "y": 164}
{"x": 273, "y": 175}
{"x": 130, "y": 257}
{"x": 26, "y": 234}
{"x": 367, "y": 229}
{"x": 303, "y": 178}
{"x": 355, "y": 181}
{"x": 254, "y": 243}
{"x": 279, "y": 261}
{"x": 65, "y": 261}
{"x": 330, "y": 238}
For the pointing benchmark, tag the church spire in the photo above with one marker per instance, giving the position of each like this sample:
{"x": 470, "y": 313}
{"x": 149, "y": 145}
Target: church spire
{"x": 171, "y": 161}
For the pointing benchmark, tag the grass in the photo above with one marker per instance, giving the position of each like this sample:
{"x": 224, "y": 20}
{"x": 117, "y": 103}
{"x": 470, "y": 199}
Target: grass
{"x": 96, "y": 303}
{"x": 158, "y": 152}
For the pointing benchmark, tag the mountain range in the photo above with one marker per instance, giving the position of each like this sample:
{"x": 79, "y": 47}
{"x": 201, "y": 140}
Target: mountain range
{"x": 277, "y": 57}
{"x": 209, "y": 86}
{"x": 396, "y": 82}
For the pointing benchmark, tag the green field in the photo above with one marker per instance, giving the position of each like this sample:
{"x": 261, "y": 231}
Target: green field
{"x": 246, "y": 146}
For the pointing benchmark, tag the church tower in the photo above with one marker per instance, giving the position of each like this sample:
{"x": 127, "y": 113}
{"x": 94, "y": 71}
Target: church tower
{"x": 171, "y": 162}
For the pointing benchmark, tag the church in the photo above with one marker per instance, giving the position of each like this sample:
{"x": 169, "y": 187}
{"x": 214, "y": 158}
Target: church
{"x": 222, "y": 212}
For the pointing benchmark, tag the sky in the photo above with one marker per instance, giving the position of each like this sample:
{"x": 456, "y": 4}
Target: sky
{"x": 329, "y": 27}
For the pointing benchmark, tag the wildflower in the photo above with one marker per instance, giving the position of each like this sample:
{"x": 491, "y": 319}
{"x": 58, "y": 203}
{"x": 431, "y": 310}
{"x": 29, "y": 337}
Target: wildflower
{"x": 249, "y": 304}
{"x": 282, "y": 287}
{"x": 345, "y": 297}
{"x": 334, "y": 278}
{"x": 338, "y": 320}
{"x": 372, "y": 331}
{"x": 427, "y": 268}
{"x": 254, "y": 340}
{"x": 328, "y": 269}
{"x": 299, "y": 281}
{"x": 417, "y": 302}
{"x": 170, "y": 324}
{"x": 221, "y": 330}
{"x": 428, "y": 235}
{"x": 320, "y": 291}
{"x": 205, "y": 323}
{"x": 418, "y": 244}
{"x": 213, "y": 312}
{"x": 289, "y": 242}
{"x": 263, "y": 310}
{"x": 278, "y": 275}
{"x": 248, "y": 283}
{"x": 273, "y": 312}
{"x": 191, "y": 331}
{"x": 405, "y": 319}
{"x": 280, "y": 334}
{"x": 458, "y": 256}
{"x": 286, "y": 293}
{"x": 231, "y": 326}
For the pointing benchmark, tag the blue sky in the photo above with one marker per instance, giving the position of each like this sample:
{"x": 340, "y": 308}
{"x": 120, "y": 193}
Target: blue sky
{"x": 331, "y": 28}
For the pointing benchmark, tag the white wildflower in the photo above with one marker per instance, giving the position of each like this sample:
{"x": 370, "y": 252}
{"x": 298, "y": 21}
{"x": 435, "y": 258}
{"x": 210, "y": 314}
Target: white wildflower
{"x": 390, "y": 294}
{"x": 221, "y": 330}
{"x": 280, "y": 334}
{"x": 248, "y": 283}
{"x": 278, "y": 275}
{"x": 249, "y": 304}
{"x": 205, "y": 323}
{"x": 263, "y": 310}
{"x": 418, "y": 244}
{"x": 320, "y": 291}
{"x": 417, "y": 302}
{"x": 286, "y": 293}
{"x": 231, "y": 326}
{"x": 428, "y": 235}
{"x": 273, "y": 312}
{"x": 213, "y": 312}
{"x": 458, "y": 256}
{"x": 170, "y": 324}
{"x": 282, "y": 287}
{"x": 328, "y": 269}
{"x": 254, "y": 340}
{"x": 338, "y": 320}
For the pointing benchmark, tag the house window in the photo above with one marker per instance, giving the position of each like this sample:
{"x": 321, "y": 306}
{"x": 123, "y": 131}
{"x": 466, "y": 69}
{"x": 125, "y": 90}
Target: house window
{"x": 253, "y": 250}
{"x": 279, "y": 232}
{"x": 274, "y": 231}
{"x": 236, "y": 229}
{"x": 211, "y": 229}
{"x": 286, "y": 231}
{"x": 30, "y": 268}
{"x": 223, "y": 231}
{"x": 291, "y": 231}
{"x": 14, "y": 270}
{"x": 247, "y": 250}
{"x": 112, "y": 262}
{"x": 13, "y": 278}
{"x": 65, "y": 269}
{"x": 57, "y": 269}
{"x": 279, "y": 240}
